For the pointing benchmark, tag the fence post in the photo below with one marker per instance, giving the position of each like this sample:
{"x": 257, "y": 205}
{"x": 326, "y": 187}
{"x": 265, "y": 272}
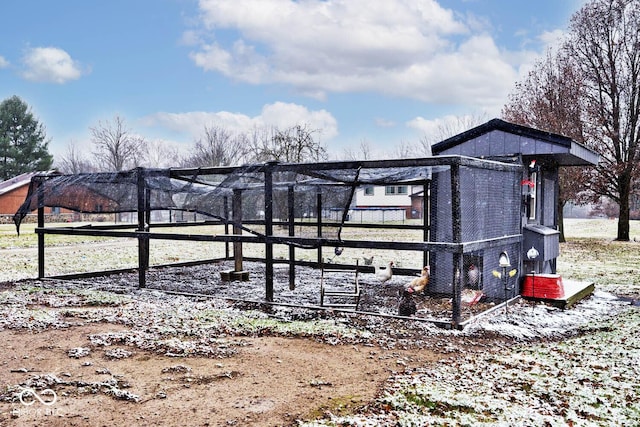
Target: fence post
{"x": 456, "y": 222}
{"x": 268, "y": 229}
{"x": 292, "y": 229}
{"x": 142, "y": 231}
{"x": 40, "y": 193}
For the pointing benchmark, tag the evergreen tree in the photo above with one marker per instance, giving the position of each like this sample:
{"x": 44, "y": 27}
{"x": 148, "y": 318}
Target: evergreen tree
{"x": 23, "y": 145}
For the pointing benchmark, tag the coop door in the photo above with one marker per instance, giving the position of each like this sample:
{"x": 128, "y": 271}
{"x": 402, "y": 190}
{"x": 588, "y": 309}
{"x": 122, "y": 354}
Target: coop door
{"x": 549, "y": 218}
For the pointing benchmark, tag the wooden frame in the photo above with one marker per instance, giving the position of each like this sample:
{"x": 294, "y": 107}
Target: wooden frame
{"x": 344, "y": 293}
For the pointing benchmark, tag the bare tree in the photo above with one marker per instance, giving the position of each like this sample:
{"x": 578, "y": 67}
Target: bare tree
{"x": 294, "y": 144}
{"x": 217, "y": 147}
{"x": 116, "y": 148}
{"x": 159, "y": 154}
{"x": 425, "y": 144}
{"x": 363, "y": 152}
{"x": 448, "y": 128}
{"x": 73, "y": 161}
{"x": 549, "y": 98}
{"x": 405, "y": 149}
{"x": 605, "y": 47}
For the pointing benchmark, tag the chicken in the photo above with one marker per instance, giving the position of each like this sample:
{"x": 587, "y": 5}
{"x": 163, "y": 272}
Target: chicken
{"x": 473, "y": 276}
{"x": 368, "y": 261}
{"x": 407, "y": 306}
{"x": 384, "y": 273}
{"x": 419, "y": 284}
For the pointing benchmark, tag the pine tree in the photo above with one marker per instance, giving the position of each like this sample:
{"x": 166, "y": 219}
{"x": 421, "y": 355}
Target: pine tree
{"x": 23, "y": 144}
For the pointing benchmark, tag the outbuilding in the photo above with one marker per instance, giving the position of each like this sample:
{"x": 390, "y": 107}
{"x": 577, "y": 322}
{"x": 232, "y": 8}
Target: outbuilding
{"x": 541, "y": 154}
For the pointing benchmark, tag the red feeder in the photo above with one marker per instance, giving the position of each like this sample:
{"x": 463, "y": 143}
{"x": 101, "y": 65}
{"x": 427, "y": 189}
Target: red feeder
{"x": 546, "y": 286}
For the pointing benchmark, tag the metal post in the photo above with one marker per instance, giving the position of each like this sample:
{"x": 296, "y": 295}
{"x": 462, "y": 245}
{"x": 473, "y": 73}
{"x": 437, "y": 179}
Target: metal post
{"x": 142, "y": 231}
{"x": 292, "y": 229}
{"x": 226, "y": 226}
{"x": 426, "y": 220}
{"x": 319, "y": 224}
{"x": 40, "y": 193}
{"x": 236, "y": 204}
{"x": 268, "y": 230}
{"x": 456, "y": 221}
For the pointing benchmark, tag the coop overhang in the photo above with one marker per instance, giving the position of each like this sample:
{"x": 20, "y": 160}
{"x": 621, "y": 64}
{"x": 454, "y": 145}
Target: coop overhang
{"x": 500, "y": 138}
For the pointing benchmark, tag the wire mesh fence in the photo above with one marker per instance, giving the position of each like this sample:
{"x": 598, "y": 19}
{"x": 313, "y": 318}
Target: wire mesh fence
{"x": 471, "y": 212}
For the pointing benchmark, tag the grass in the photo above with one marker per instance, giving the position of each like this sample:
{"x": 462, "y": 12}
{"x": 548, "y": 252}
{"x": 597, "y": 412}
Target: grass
{"x": 587, "y": 380}
{"x": 591, "y": 252}
{"x": 28, "y": 238}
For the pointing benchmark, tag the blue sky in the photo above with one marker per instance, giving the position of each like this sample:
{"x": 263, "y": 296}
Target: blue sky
{"x": 385, "y": 72}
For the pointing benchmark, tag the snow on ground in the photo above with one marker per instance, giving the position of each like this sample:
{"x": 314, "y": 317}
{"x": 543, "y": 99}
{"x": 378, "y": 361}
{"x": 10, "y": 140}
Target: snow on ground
{"x": 589, "y": 378}
{"x": 530, "y": 364}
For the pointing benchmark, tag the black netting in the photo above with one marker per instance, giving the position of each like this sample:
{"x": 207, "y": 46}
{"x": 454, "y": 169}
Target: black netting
{"x": 303, "y": 205}
{"x": 318, "y": 190}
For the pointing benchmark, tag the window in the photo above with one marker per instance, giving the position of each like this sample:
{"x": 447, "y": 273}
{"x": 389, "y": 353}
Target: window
{"x": 368, "y": 191}
{"x": 531, "y": 208}
{"x": 392, "y": 190}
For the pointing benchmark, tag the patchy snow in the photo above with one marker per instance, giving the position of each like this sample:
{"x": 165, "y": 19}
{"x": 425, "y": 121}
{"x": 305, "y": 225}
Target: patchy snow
{"x": 535, "y": 321}
{"x": 530, "y": 364}
{"x": 590, "y": 378}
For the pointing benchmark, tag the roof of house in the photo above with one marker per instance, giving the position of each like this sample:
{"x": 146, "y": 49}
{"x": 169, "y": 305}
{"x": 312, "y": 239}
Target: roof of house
{"x": 18, "y": 181}
{"x": 499, "y": 138}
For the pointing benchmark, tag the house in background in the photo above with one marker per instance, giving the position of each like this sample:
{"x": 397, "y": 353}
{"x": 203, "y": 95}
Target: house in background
{"x": 387, "y": 202}
{"x": 13, "y": 192}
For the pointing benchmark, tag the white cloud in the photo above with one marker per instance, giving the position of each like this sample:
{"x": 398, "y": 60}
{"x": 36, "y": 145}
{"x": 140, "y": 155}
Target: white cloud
{"x": 50, "y": 65}
{"x": 552, "y": 38}
{"x": 384, "y": 123}
{"x": 438, "y": 129}
{"x": 408, "y": 48}
{"x": 279, "y": 114}
{"x": 3, "y": 62}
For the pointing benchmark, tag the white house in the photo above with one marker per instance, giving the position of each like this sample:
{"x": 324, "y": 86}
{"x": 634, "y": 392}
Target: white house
{"x": 386, "y": 202}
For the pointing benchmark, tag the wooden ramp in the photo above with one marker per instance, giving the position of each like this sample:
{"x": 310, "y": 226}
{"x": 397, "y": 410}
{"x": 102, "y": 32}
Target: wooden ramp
{"x": 574, "y": 291}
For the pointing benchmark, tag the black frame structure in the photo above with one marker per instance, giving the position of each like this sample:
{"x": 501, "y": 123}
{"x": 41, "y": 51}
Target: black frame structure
{"x": 317, "y": 175}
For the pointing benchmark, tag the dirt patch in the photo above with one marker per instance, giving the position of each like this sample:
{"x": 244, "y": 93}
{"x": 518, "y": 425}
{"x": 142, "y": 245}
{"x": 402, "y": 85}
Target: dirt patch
{"x": 270, "y": 381}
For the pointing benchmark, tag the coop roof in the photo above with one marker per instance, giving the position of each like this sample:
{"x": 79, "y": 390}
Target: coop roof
{"x": 499, "y": 138}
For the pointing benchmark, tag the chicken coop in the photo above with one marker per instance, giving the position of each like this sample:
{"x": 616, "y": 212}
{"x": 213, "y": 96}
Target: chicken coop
{"x": 297, "y": 214}
{"x": 541, "y": 155}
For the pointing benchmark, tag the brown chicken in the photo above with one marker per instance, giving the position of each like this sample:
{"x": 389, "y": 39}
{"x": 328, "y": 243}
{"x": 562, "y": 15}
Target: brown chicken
{"x": 419, "y": 284}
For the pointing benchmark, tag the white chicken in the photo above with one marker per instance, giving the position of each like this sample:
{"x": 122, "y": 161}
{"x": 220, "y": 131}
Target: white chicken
{"x": 419, "y": 284}
{"x": 384, "y": 273}
{"x": 473, "y": 276}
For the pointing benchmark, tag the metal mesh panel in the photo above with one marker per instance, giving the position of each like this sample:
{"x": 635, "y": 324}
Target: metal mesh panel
{"x": 489, "y": 209}
{"x": 490, "y": 203}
